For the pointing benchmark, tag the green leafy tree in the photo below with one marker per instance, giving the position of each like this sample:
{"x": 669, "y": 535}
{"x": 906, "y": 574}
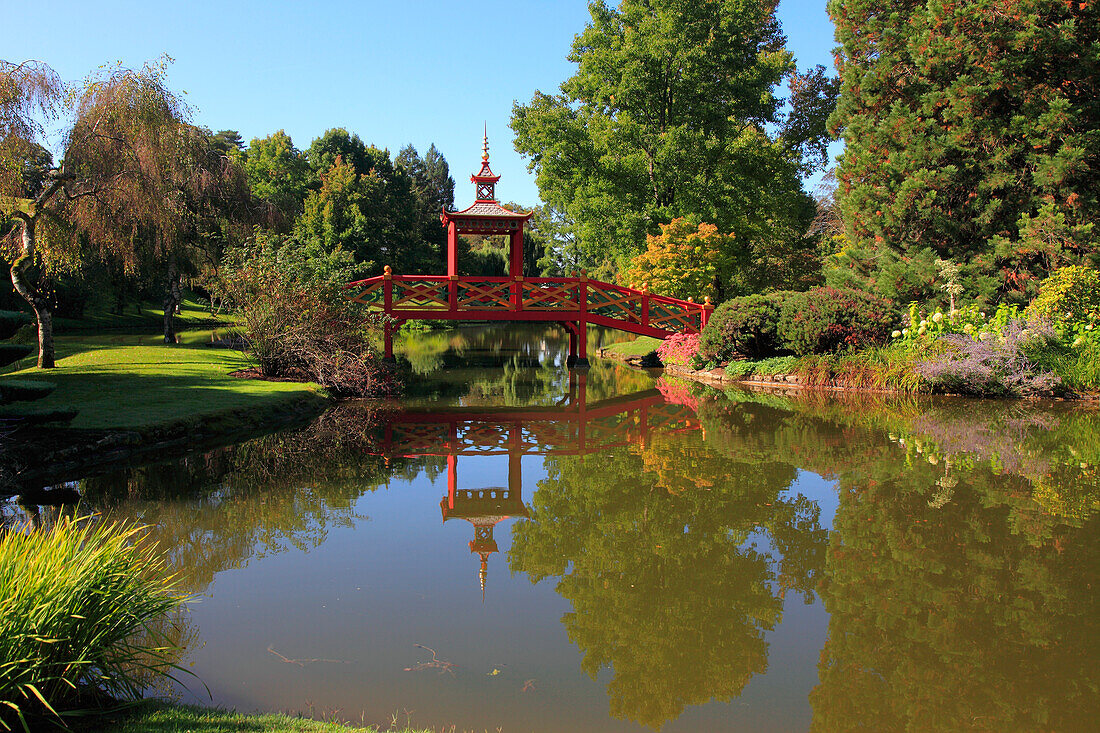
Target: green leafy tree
{"x": 278, "y": 173}
{"x": 227, "y": 142}
{"x": 813, "y": 98}
{"x": 668, "y": 115}
{"x": 971, "y": 134}
{"x": 366, "y": 205}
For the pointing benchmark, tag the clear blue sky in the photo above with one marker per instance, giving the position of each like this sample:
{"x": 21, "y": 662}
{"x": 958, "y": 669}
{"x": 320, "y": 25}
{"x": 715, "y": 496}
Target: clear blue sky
{"x": 394, "y": 72}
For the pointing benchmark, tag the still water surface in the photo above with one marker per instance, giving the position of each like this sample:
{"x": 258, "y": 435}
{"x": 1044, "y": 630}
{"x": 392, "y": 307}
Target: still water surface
{"x": 519, "y": 547}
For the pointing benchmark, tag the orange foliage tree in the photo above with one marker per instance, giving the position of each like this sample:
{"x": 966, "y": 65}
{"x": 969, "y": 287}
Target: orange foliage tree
{"x": 687, "y": 260}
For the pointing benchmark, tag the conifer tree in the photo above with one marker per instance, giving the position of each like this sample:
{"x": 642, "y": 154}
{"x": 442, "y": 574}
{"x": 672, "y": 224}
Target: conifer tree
{"x": 972, "y": 134}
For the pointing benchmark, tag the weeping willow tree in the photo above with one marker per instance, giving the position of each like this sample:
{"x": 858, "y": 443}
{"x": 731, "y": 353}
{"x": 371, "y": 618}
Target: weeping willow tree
{"x": 138, "y": 184}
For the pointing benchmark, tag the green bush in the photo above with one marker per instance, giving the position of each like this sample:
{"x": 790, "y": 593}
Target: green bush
{"x": 745, "y": 326}
{"x": 79, "y": 608}
{"x": 1069, "y": 294}
{"x": 739, "y": 369}
{"x": 290, "y": 298}
{"x": 775, "y": 365}
{"x": 827, "y": 320}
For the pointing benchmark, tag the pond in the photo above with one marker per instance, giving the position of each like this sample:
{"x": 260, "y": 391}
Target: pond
{"x": 516, "y": 546}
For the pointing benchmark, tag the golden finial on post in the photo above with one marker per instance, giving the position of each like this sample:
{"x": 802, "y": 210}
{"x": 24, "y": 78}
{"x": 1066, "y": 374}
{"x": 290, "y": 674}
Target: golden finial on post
{"x": 645, "y": 287}
{"x": 387, "y": 271}
{"x": 691, "y": 299}
{"x": 706, "y": 300}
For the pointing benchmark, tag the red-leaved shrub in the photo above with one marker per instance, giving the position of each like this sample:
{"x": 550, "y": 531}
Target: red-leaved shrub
{"x": 678, "y": 349}
{"x": 826, "y": 320}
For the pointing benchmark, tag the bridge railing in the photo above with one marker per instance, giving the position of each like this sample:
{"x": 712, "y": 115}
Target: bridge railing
{"x": 502, "y": 298}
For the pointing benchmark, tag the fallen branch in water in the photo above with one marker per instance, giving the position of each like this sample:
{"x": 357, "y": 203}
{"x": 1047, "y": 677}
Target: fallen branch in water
{"x": 436, "y": 663}
{"x": 304, "y": 662}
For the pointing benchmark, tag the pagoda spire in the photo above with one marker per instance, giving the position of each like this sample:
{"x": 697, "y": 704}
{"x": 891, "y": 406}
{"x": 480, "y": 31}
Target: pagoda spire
{"x": 485, "y": 179}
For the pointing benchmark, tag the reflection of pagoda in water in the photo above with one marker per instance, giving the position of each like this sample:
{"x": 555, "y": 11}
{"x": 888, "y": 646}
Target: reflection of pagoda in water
{"x": 574, "y": 428}
{"x": 484, "y": 508}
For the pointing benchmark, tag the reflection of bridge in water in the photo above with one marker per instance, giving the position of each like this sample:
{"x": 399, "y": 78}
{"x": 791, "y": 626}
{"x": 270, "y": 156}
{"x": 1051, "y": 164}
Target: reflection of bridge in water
{"x": 574, "y": 428}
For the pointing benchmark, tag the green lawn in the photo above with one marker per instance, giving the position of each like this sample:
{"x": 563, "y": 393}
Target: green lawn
{"x": 123, "y": 386}
{"x": 638, "y": 347}
{"x": 168, "y": 718}
{"x": 193, "y": 312}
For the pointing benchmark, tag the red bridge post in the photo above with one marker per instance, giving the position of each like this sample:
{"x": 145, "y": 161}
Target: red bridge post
{"x": 387, "y": 300}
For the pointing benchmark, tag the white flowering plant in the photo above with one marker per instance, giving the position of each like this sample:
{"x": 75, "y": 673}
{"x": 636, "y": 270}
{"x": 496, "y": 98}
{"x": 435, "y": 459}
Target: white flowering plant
{"x": 923, "y": 327}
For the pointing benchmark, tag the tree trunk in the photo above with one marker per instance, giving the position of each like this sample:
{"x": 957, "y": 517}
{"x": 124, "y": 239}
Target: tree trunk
{"x": 35, "y": 299}
{"x": 171, "y": 301}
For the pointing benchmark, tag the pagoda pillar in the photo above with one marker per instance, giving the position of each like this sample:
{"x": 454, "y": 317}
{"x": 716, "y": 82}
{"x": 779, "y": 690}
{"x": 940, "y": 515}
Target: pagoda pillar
{"x": 452, "y": 248}
{"x": 515, "y": 263}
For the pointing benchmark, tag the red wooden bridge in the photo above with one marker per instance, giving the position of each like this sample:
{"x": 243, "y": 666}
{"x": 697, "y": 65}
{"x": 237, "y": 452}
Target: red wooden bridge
{"x": 574, "y": 302}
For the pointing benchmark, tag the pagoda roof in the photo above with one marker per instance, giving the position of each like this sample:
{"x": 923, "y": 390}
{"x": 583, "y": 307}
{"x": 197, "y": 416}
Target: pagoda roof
{"x": 487, "y": 209}
{"x": 485, "y": 174}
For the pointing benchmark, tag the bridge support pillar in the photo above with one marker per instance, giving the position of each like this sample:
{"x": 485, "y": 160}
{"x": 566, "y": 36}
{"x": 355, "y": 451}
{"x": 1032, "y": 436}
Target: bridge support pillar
{"x": 387, "y": 340}
{"x": 578, "y": 346}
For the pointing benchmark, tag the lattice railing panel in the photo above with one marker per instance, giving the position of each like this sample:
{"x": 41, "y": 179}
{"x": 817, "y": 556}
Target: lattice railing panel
{"x": 551, "y": 296}
{"x": 483, "y": 295}
{"x": 420, "y": 294}
{"x": 614, "y": 302}
{"x": 675, "y": 316}
{"x": 370, "y": 293}
{"x": 421, "y": 438}
{"x": 479, "y": 436}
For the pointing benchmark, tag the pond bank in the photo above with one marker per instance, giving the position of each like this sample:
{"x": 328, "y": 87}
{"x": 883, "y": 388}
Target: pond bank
{"x": 136, "y": 400}
{"x": 793, "y": 381}
{"x": 718, "y": 377}
{"x": 166, "y": 717}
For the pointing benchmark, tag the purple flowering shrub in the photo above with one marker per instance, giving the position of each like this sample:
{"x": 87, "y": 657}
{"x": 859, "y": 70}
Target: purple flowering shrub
{"x": 679, "y": 349}
{"x": 994, "y": 364}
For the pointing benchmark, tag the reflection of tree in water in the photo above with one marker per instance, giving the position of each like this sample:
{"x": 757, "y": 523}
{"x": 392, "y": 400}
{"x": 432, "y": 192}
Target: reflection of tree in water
{"x": 215, "y": 511}
{"x": 507, "y": 365}
{"x": 948, "y": 619}
{"x": 961, "y": 597}
{"x": 658, "y": 551}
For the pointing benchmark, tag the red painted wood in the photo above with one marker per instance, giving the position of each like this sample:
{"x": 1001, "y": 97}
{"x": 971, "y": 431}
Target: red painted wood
{"x": 575, "y": 302}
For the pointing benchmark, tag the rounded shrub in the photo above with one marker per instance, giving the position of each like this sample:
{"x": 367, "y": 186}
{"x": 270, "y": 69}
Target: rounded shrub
{"x": 1069, "y": 294}
{"x": 826, "y": 320}
{"x": 746, "y": 326}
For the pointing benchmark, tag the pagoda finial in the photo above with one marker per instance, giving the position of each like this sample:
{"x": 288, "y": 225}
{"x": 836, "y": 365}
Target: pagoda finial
{"x": 482, "y": 574}
{"x": 485, "y": 178}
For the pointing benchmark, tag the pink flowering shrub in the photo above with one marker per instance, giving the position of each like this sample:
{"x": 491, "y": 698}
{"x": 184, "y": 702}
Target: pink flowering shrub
{"x": 679, "y": 349}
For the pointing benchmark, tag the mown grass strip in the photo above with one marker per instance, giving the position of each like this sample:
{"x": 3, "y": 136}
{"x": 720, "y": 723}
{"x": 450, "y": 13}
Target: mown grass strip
{"x": 118, "y": 386}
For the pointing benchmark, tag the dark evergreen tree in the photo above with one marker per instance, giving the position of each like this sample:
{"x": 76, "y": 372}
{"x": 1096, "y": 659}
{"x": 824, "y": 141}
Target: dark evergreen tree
{"x": 972, "y": 133}
{"x": 434, "y": 190}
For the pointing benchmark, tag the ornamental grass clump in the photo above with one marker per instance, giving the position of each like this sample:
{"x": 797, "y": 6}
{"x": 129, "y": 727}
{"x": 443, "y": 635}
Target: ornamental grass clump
{"x": 82, "y": 606}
